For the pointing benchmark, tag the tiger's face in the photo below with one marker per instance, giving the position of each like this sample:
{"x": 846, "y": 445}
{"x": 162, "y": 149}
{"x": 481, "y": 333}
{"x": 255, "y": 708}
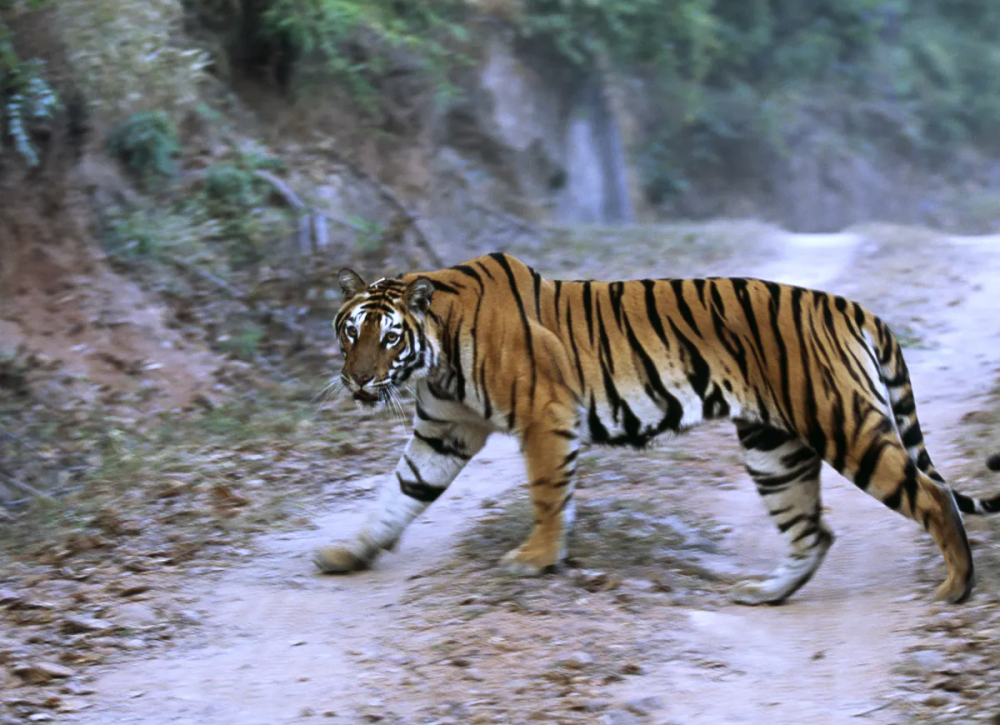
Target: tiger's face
{"x": 382, "y": 333}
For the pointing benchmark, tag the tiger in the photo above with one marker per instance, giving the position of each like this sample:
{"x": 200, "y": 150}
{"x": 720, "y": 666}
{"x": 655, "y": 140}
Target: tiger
{"x": 490, "y": 345}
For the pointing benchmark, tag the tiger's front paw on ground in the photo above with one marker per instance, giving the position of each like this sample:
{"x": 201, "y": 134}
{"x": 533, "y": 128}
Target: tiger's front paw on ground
{"x": 338, "y": 560}
{"x": 520, "y": 562}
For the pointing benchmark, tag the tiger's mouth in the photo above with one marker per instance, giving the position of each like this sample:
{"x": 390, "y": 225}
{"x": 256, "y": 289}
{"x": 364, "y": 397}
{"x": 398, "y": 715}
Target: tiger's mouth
{"x": 367, "y": 398}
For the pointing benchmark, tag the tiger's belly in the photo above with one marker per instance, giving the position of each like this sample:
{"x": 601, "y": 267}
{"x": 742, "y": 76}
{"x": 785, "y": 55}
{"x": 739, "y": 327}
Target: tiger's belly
{"x": 634, "y": 416}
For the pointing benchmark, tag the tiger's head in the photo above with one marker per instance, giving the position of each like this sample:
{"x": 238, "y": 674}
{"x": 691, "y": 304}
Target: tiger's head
{"x": 383, "y": 333}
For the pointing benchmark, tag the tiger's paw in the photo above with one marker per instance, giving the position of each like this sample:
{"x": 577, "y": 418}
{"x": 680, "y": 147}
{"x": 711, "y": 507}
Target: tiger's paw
{"x": 768, "y": 591}
{"x": 525, "y": 563}
{"x": 955, "y": 590}
{"x": 338, "y": 560}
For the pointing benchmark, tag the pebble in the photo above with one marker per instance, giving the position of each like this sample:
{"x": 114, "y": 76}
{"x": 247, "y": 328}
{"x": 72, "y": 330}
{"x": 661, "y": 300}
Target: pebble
{"x": 135, "y": 614}
{"x": 645, "y": 705}
{"x": 958, "y": 683}
{"x": 619, "y": 717}
{"x": 936, "y": 700}
{"x": 189, "y": 616}
{"x": 577, "y": 660}
{"x": 78, "y": 624}
{"x": 924, "y": 662}
{"x": 36, "y": 673}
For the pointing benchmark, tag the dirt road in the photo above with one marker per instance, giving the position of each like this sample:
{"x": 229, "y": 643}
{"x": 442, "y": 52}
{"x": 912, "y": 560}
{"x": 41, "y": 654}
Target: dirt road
{"x": 276, "y": 643}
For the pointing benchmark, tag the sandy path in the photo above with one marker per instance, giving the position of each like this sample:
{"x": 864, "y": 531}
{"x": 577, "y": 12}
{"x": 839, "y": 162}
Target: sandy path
{"x": 280, "y": 644}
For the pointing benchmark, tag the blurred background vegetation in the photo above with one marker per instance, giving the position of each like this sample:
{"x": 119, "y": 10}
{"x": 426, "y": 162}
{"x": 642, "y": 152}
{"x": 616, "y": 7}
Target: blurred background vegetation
{"x": 730, "y": 84}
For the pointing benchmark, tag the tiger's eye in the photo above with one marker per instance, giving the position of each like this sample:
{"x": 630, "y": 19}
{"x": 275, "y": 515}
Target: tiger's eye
{"x": 391, "y": 338}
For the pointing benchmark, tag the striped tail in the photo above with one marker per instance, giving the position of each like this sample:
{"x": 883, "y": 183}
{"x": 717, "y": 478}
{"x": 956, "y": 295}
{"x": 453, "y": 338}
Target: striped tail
{"x": 896, "y": 377}
{"x": 972, "y": 505}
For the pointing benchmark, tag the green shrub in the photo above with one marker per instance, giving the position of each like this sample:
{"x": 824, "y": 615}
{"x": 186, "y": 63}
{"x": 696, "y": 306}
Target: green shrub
{"x": 126, "y": 57}
{"x": 732, "y": 78}
{"x": 146, "y": 143}
{"x": 27, "y": 101}
{"x": 308, "y": 43}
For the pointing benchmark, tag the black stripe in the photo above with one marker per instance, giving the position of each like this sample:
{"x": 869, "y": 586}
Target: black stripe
{"x": 863, "y": 476}
{"x": 768, "y": 480}
{"x": 652, "y": 374}
{"x": 558, "y": 285}
{"x": 423, "y": 415}
{"x": 905, "y": 406}
{"x": 537, "y": 279}
{"x": 761, "y": 437}
{"x": 501, "y": 259}
{"x": 572, "y": 344}
{"x": 512, "y": 414}
{"x": 486, "y": 270}
{"x": 440, "y": 286}
{"x": 615, "y": 292}
{"x": 598, "y": 433}
{"x": 443, "y": 447}
{"x": 653, "y": 314}
{"x": 699, "y": 286}
{"x": 603, "y": 339}
{"x": 743, "y": 297}
{"x": 913, "y": 436}
{"x": 775, "y": 309}
{"x": 487, "y": 404}
{"x": 570, "y": 457}
{"x": 677, "y": 285}
{"x": 797, "y": 519}
{"x": 588, "y": 312}
{"x": 470, "y": 272}
{"x": 699, "y": 373}
{"x": 423, "y": 492}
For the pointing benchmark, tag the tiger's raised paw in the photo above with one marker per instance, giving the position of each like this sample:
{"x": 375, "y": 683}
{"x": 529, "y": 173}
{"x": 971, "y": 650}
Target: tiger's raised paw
{"x": 338, "y": 560}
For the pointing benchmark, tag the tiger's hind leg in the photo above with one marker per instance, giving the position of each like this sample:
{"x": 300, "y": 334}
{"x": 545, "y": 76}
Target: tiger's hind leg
{"x": 786, "y": 472}
{"x": 881, "y": 467}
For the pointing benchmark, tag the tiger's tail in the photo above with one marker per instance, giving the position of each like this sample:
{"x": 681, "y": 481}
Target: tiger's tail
{"x": 896, "y": 377}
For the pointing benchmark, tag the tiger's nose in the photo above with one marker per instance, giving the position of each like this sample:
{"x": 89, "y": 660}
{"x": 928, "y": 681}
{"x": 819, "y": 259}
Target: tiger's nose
{"x": 361, "y": 379}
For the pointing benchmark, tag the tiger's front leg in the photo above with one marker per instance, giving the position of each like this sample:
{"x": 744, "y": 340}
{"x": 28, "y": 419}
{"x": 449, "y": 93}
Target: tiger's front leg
{"x": 434, "y": 456}
{"x": 551, "y": 453}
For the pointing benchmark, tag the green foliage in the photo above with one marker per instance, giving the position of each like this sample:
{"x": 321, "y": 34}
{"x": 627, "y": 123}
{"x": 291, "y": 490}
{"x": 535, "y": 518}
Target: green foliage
{"x": 27, "y": 101}
{"x": 146, "y": 143}
{"x": 227, "y": 221}
{"x": 244, "y": 342}
{"x": 127, "y": 56}
{"x": 356, "y": 43}
{"x": 370, "y": 237}
{"x": 678, "y": 37}
{"x": 159, "y": 231}
{"x": 736, "y": 77}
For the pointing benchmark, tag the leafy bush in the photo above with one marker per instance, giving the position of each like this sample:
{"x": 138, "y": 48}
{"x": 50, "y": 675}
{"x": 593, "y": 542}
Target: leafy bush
{"x": 146, "y": 143}
{"x": 357, "y": 43}
{"x": 27, "y": 102}
{"x": 737, "y": 77}
{"x": 125, "y": 60}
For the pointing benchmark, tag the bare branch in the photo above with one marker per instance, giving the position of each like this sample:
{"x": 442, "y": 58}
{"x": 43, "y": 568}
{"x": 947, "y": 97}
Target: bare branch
{"x": 24, "y": 488}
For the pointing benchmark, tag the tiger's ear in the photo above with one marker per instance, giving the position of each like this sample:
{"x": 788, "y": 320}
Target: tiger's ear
{"x": 351, "y": 283}
{"x": 418, "y": 294}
